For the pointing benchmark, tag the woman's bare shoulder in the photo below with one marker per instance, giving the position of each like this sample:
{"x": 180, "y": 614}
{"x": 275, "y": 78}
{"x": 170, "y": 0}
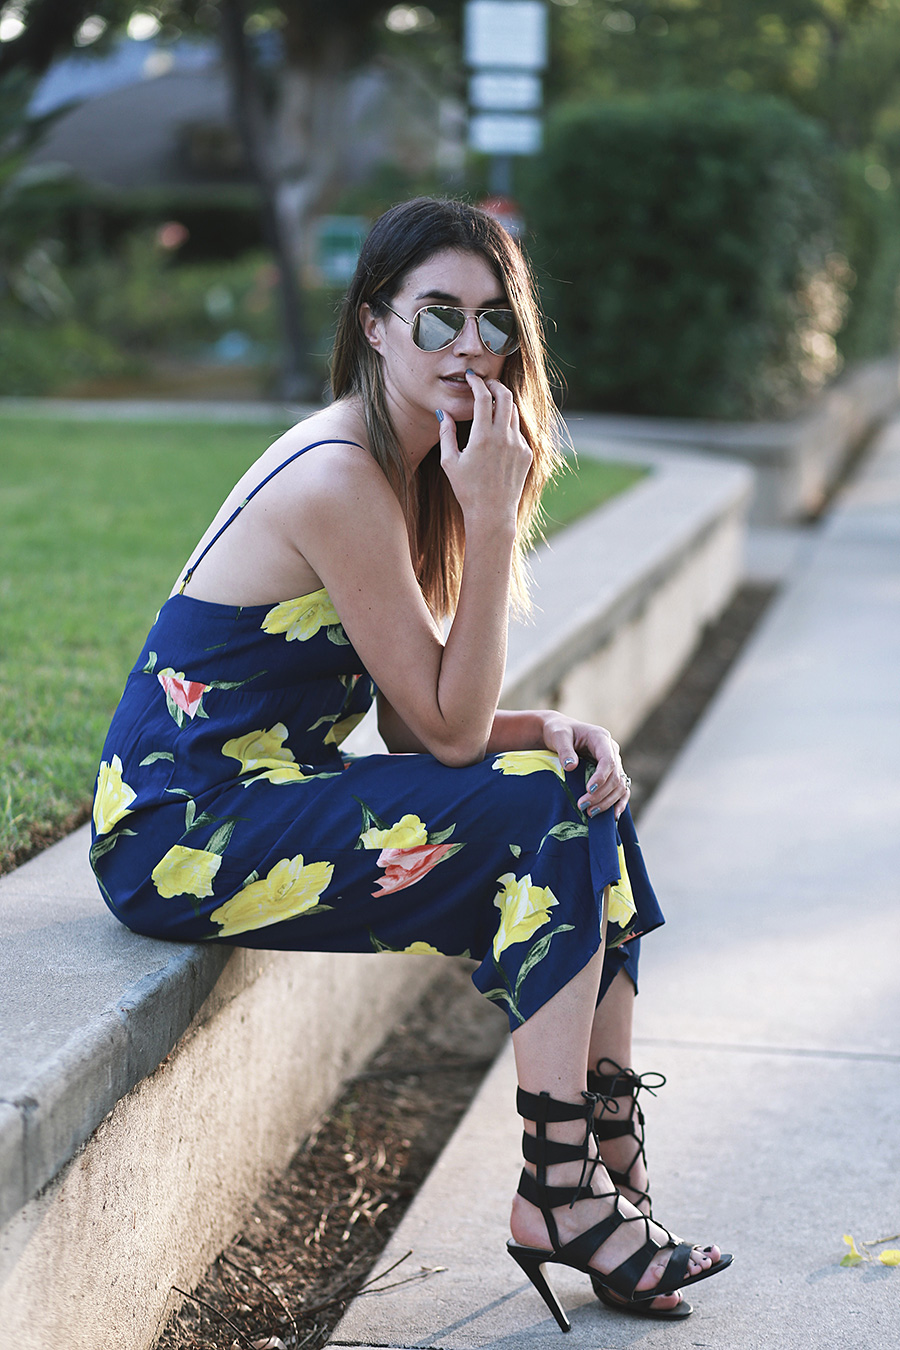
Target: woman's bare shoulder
{"x": 331, "y": 450}
{"x": 336, "y": 476}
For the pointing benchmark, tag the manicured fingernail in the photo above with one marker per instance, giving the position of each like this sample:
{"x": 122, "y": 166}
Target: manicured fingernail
{"x": 470, "y": 372}
{"x": 592, "y": 787}
{"x": 594, "y": 811}
{"x": 439, "y": 414}
{"x": 567, "y": 762}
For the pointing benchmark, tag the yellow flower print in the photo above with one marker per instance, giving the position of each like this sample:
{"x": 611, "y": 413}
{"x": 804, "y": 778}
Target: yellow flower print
{"x": 113, "y": 798}
{"x": 521, "y": 762}
{"x": 622, "y": 908}
{"x": 301, "y": 619}
{"x": 341, "y": 730}
{"x": 422, "y": 949}
{"x": 409, "y": 832}
{"x": 291, "y": 888}
{"x": 186, "y": 871}
{"x": 265, "y": 754}
{"x": 524, "y": 909}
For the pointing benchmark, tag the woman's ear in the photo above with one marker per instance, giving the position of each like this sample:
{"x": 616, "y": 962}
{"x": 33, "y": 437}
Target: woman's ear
{"x": 371, "y": 326}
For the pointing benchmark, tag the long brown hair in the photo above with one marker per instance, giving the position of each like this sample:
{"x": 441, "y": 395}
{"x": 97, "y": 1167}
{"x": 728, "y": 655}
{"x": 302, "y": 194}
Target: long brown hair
{"x": 400, "y": 240}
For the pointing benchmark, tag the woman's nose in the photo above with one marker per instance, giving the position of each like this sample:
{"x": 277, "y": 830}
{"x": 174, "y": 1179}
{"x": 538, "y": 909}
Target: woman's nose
{"x": 468, "y": 338}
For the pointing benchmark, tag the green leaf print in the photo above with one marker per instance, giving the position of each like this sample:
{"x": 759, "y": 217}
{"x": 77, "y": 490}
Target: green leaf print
{"x": 105, "y": 843}
{"x": 566, "y": 829}
{"x": 234, "y": 684}
{"x": 157, "y": 754}
{"x": 515, "y": 850}
{"x": 328, "y": 720}
{"x": 335, "y": 633}
{"x": 370, "y": 821}
{"x": 204, "y": 818}
{"x": 501, "y": 996}
{"x": 537, "y": 951}
{"x": 151, "y": 664}
{"x": 218, "y": 841}
{"x": 439, "y": 836}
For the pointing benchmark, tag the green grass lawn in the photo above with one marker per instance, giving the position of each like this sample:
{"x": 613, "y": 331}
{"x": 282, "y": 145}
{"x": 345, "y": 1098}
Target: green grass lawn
{"x": 96, "y": 518}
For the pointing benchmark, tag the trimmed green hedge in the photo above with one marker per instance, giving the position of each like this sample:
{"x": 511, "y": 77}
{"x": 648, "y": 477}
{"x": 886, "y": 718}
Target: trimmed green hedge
{"x": 870, "y": 238}
{"x": 686, "y": 248}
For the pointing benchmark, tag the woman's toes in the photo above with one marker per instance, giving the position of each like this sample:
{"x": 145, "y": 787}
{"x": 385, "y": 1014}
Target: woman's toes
{"x": 666, "y": 1302}
{"x": 703, "y": 1258}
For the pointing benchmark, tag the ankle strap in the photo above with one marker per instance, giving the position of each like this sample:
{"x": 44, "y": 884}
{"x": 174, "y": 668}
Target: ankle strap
{"x": 544, "y": 1152}
{"x": 543, "y": 1108}
{"x": 622, "y": 1082}
{"x": 548, "y": 1198}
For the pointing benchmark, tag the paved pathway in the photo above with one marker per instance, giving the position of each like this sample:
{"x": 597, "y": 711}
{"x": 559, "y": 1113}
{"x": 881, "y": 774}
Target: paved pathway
{"x": 771, "y": 1001}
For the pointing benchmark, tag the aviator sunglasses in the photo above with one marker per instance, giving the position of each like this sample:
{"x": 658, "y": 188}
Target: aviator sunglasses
{"x": 434, "y": 327}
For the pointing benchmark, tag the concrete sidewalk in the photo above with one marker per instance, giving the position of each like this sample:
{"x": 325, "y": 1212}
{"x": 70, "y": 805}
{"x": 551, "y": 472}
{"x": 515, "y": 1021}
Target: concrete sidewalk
{"x": 771, "y": 1001}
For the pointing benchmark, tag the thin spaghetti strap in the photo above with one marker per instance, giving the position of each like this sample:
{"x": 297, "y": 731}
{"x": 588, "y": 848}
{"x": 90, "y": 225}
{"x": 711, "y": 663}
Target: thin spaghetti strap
{"x": 250, "y": 495}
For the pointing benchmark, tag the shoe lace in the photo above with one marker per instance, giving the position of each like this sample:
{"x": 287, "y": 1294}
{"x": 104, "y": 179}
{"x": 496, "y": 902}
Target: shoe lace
{"x": 589, "y": 1164}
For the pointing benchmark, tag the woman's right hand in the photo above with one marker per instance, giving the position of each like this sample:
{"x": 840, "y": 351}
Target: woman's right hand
{"x": 488, "y": 475}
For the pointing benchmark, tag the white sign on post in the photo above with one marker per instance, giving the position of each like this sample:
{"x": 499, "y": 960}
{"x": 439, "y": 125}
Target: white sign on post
{"x": 506, "y": 33}
{"x": 509, "y": 91}
{"x": 500, "y": 133}
{"x": 505, "y": 47}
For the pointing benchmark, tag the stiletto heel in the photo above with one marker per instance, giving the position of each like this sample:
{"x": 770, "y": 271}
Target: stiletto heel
{"x": 533, "y": 1267}
{"x": 578, "y": 1253}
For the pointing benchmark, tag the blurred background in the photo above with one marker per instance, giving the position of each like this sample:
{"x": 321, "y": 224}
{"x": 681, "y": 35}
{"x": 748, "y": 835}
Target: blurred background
{"x": 709, "y": 192}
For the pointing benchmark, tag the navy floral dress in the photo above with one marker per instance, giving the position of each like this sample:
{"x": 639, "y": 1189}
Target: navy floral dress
{"x": 224, "y": 811}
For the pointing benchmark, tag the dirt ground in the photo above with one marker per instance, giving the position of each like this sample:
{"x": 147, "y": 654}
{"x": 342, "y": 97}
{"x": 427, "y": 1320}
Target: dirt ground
{"x": 308, "y": 1246}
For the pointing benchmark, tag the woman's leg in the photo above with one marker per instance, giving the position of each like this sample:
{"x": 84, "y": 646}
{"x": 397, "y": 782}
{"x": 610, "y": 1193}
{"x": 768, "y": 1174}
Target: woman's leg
{"x": 611, "y": 1038}
{"x": 611, "y": 1032}
{"x": 551, "y": 1052}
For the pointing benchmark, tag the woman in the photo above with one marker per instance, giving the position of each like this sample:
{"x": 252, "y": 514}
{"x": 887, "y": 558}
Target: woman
{"x": 225, "y": 812}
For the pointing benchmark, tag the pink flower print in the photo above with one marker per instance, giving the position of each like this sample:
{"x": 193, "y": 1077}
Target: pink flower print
{"x": 185, "y": 695}
{"x": 405, "y": 866}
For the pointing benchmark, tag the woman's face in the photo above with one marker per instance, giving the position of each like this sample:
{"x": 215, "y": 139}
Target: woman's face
{"x": 418, "y": 382}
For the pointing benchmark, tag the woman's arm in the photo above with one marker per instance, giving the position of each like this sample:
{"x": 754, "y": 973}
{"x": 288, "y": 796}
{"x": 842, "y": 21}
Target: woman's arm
{"x": 570, "y": 739}
{"x": 348, "y": 526}
{"x": 537, "y": 729}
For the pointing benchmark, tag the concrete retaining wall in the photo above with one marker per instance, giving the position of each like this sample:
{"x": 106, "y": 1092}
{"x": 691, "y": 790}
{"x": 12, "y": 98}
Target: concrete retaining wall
{"x": 147, "y": 1090}
{"x": 797, "y": 462}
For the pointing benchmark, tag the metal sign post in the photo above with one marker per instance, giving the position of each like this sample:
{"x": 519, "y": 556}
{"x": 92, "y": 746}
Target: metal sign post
{"x": 505, "y": 49}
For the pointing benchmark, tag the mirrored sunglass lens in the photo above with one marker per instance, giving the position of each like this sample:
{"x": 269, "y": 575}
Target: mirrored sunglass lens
{"x": 498, "y": 330}
{"x": 436, "y": 327}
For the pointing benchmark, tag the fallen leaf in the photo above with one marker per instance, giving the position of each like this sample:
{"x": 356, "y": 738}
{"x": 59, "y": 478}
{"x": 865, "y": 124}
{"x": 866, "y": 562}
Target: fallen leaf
{"x": 890, "y": 1258}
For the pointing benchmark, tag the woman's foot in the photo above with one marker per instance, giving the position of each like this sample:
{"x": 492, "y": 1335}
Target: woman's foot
{"x": 625, "y": 1157}
{"x": 530, "y": 1230}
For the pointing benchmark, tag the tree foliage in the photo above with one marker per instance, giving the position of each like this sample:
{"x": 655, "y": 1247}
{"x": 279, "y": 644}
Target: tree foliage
{"x": 836, "y": 60}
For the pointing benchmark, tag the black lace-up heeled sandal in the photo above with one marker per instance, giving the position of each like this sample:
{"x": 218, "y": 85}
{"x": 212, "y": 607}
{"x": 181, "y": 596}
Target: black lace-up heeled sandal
{"x": 622, "y": 1282}
{"x": 611, "y": 1081}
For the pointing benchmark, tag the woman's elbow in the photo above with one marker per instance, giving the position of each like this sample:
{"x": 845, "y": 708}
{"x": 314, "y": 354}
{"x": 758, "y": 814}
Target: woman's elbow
{"x": 460, "y": 753}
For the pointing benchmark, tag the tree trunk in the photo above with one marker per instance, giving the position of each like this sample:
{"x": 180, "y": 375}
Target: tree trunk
{"x": 311, "y": 133}
{"x": 297, "y": 380}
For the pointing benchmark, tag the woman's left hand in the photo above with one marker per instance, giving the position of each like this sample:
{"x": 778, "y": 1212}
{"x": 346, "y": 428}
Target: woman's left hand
{"x": 608, "y": 785}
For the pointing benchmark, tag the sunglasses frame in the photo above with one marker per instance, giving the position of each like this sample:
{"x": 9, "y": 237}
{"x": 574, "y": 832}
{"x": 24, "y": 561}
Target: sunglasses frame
{"x": 477, "y": 314}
